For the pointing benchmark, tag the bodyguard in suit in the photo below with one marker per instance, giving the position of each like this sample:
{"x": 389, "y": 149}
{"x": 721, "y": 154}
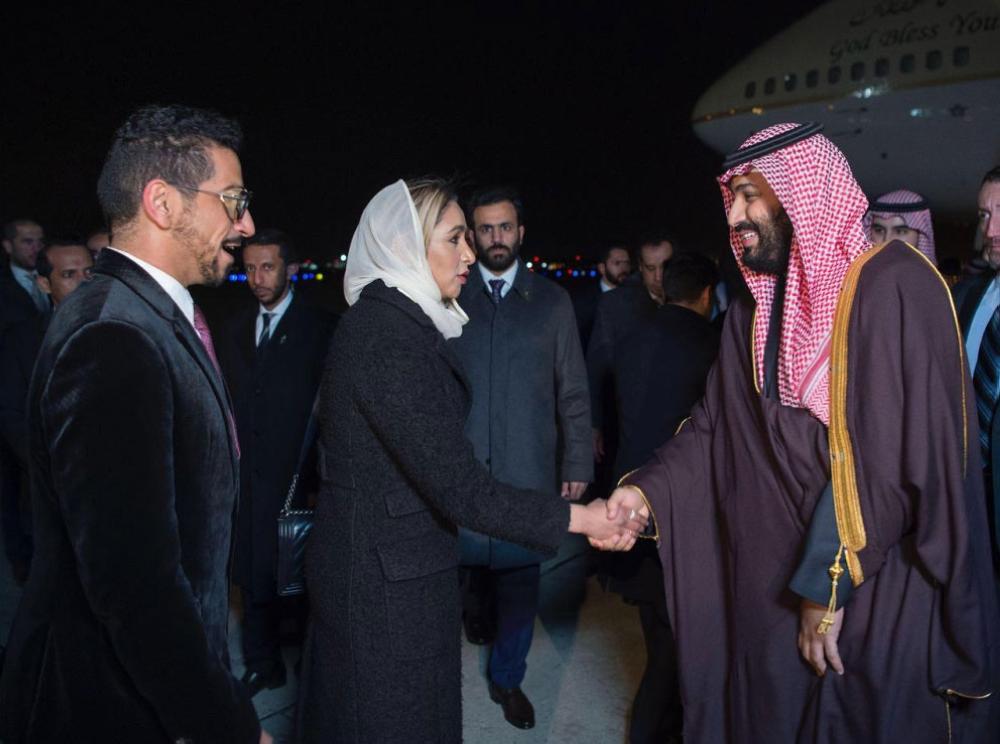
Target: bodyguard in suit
{"x": 977, "y": 301}
{"x": 121, "y": 631}
{"x": 614, "y": 267}
{"x": 20, "y": 296}
{"x": 529, "y": 421}
{"x": 272, "y": 356}
{"x": 661, "y": 364}
{"x": 62, "y": 266}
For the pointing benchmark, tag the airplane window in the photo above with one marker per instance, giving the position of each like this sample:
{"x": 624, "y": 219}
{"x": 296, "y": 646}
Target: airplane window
{"x": 812, "y": 78}
{"x": 790, "y": 80}
{"x": 933, "y": 59}
{"x": 833, "y": 75}
{"x": 907, "y": 63}
{"x": 961, "y": 58}
{"x": 881, "y": 67}
{"x": 751, "y": 89}
{"x": 857, "y": 70}
{"x": 769, "y": 86}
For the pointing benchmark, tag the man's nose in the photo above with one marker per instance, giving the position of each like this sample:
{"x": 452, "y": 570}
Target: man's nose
{"x": 737, "y": 212}
{"x": 993, "y": 226}
{"x": 244, "y": 225}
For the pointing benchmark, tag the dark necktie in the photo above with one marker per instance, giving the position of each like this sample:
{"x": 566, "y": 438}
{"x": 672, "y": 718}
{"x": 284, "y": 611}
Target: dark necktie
{"x": 265, "y": 332}
{"x": 495, "y": 286}
{"x": 205, "y": 335}
{"x": 985, "y": 381}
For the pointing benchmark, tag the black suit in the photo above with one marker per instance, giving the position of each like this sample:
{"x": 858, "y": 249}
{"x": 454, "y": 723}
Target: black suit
{"x": 968, "y": 294}
{"x": 273, "y": 391}
{"x": 18, "y": 349}
{"x": 16, "y": 307}
{"x": 121, "y": 633}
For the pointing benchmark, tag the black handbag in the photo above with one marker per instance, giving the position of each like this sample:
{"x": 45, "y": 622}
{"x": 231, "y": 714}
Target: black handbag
{"x": 294, "y": 525}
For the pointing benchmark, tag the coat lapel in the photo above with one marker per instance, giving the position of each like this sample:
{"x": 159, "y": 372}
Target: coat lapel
{"x": 971, "y": 302}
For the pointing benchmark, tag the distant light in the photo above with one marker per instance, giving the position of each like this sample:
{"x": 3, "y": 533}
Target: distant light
{"x": 920, "y": 112}
{"x": 343, "y": 257}
{"x": 536, "y": 259}
{"x": 559, "y": 274}
{"x": 295, "y": 277}
{"x": 544, "y": 265}
{"x": 529, "y": 264}
{"x": 758, "y": 110}
{"x": 243, "y": 277}
{"x": 578, "y": 258}
{"x": 576, "y": 273}
{"x": 593, "y": 272}
{"x": 319, "y": 277}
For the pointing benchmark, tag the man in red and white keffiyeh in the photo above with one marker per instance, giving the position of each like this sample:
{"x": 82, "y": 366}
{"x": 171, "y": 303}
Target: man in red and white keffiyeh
{"x": 902, "y": 215}
{"x": 796, "y": 210}
{"x": 759, "y": 496}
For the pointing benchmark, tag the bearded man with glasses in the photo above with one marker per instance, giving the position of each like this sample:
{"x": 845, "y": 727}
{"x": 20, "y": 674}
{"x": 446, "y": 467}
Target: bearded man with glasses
{"x": 122, "y": 631}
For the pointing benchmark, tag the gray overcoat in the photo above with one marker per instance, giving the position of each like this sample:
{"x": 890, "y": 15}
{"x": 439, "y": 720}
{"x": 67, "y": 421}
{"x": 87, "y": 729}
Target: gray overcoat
{"x": 530, "y": 417}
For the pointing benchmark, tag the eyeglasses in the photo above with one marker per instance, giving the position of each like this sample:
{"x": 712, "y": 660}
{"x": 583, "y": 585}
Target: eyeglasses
{"x": 235, "y": 205}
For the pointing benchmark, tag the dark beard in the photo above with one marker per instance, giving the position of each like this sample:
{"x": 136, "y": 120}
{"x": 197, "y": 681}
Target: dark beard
{"x": 501, "y": 262}
{"x": 774, "y": 244}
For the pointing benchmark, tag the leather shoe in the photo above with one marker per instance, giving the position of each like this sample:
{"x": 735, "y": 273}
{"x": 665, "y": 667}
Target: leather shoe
{"x": 517, "y": 709}
{"x": 256, "y": 680}
{"x": 477, "y": 630}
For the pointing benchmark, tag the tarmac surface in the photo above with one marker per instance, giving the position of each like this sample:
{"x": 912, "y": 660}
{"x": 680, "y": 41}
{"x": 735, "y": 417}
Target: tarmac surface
{"x": 585, "y": 663}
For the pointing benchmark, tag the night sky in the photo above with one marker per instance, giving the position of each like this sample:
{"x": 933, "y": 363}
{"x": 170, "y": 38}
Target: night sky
{"x": 584, "y": 106}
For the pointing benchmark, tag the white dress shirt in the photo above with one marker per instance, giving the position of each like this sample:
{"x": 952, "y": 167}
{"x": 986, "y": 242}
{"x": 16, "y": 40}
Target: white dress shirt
{"x": 987, "y": 306}
{"x": 177, "y": 291}
{"x": 276, "y": 314}
{"x": 29, "y": 283}
{"x": 507, "y": 276}
{"x": 605, "y": 287}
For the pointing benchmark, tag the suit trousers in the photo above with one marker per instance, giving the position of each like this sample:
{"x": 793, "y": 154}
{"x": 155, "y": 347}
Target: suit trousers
{"x": 656, "y": 711}
{"x": 510, "y": 597}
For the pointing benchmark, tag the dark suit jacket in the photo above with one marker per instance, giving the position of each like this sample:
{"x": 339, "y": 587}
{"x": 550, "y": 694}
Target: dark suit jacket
{"x": 530, "y": 415}
{"x": 273, "y": 396}
{"x": 384, "y": 662}
{"x": 618, "y": 313}
{"x": 16, "y": 305}
{"x": 585, "y": 297}
{"x": 967, "y": 295}
{"x": 18, "y": 348}
{"x": 121, "y": 632}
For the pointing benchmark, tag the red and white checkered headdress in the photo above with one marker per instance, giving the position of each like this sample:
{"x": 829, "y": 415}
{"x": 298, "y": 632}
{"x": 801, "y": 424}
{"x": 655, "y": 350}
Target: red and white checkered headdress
{"x": 814, "y": 184}
{"x": 915, "y": 213}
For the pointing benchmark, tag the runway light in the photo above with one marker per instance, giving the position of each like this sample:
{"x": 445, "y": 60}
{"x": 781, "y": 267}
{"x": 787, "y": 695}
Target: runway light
{"x": 593, "y": 273}
{"x": 319, "y": 277}
{"x": 295, "y": 277}
{"x": 529, "y": 264}
{"x": 343, "y": 257}
{"x": 559, "y": 274}
{"x": 544, "y": 265}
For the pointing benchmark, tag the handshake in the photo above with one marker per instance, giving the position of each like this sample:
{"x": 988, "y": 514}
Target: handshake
{"x": 612, "y": 524}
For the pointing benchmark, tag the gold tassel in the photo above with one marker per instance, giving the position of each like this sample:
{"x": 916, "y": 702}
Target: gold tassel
{"x": 836, "y": 571}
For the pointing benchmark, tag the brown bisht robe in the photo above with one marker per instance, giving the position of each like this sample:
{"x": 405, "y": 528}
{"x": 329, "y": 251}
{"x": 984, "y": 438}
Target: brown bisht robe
{"x": 733, "y": 495}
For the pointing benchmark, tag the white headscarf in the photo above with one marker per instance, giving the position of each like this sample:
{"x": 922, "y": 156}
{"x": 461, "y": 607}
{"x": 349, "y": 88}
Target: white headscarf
{"x": 389, "y": 245}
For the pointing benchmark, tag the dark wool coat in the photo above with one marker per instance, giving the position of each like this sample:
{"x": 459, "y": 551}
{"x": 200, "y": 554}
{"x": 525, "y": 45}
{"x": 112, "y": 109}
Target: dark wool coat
{"x": 530, "y": 416}
{"x": 121, "y": 632}
{"x": 383, "y": 657}
{"x": 273, "y": 396}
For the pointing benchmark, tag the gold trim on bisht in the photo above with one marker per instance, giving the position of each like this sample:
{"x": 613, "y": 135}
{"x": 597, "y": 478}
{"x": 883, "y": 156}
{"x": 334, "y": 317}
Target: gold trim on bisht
{"x": 847, "y": 504}
{"x": 649, "y": 507}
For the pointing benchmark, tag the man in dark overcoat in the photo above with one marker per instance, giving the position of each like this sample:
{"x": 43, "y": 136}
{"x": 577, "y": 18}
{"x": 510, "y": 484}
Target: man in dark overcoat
{"x": 272, "y": 357}
{"x": 529, "y": 422}
{"x": 121, "y": 635}
{"x": 977, "y": 301}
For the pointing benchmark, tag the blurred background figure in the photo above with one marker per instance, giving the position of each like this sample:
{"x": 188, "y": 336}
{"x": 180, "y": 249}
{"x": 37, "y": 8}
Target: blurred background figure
{"x": 272, "y": 358}
{"x": 98, "y": 240}
{"x": 20, "y": 295}
{"x": 902, "y": 215}
{"x": 614, "y": 267}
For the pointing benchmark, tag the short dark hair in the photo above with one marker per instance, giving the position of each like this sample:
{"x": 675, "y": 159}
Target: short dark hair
{"x": 10, "y": 228}
{"x": 483, "y": 197}
{"x": 606, "y": 251}
{"x": 655, "y": 237}
{"x": 167, "y": 142}
{"x": 42, "y": 264}
{"x": 686, "y": 276}
{"x": 271, "y": 236}
{"x": 992, "y": 176}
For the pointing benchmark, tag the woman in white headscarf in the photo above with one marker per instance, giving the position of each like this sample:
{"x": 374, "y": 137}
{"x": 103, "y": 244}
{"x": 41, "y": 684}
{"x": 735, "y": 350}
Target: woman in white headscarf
{"x": 382, "y": 661}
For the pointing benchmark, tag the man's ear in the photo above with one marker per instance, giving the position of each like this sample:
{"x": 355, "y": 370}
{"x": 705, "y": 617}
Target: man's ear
{"x": 161, "y": 203}
{"x": 44, "y": 284}
{"x": 705, "y": 301}
{"x": 520, "y": 232}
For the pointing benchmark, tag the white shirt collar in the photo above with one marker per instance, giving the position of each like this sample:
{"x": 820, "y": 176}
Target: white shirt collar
{"x": 605, "y": 287}
{"x": 177, "y": 291}
{"x": 507, "y": 276}
{"x": 276, "y": 315}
